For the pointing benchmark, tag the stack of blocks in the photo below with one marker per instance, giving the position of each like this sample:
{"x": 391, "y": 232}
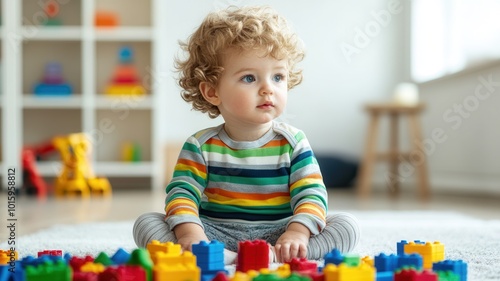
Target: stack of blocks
{"x": 210, "y": 258}
{"x": 125, "y": 80}
{"x": 252, "y": 255}
{"x": 167, "y": 262}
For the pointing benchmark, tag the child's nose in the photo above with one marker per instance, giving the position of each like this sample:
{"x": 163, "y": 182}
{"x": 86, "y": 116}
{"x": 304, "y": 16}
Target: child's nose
{"x": 266, "y": 88}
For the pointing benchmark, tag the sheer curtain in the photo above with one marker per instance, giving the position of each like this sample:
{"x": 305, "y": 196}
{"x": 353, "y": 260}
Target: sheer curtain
{"x": 451, "y": 35}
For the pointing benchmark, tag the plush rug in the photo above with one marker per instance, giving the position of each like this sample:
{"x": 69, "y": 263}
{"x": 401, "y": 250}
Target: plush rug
{"x": 475, "y": 241}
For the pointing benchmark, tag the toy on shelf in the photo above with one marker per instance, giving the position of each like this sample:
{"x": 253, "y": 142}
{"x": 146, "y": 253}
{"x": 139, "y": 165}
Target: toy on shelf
{"x": 52, "y": 83}
{"x": 131, "y": 152}
{"x": 125, "y": 80}
{"x": 77, "y": 175}
{"x": 51, "y": 9}
{"x": 106, "y": 19}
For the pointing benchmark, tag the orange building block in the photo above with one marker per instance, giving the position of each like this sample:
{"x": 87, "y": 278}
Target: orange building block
{"x": 6, "y": 255}
{"x": 106, "y": 19}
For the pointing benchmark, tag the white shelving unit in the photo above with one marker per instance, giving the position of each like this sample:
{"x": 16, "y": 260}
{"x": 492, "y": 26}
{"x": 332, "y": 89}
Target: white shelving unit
{"x": 88, "y": 56}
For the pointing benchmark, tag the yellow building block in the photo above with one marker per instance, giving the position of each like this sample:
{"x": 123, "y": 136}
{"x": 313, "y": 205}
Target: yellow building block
{"x": 92, "y": 267}
{"x": 6, "y": 255}
{"x": 283, "y": 270}
{"x": 430, "y": 252}
{"x": 168, "y": 247}
{"x": 368, "y": 260}
{"x": 343, "y": 272}
{"x": 176, "y": 272}
{"x": 174, "y": 258}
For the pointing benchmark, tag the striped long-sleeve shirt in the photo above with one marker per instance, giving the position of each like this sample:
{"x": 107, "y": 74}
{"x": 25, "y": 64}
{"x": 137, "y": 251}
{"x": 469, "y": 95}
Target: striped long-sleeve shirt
{"x": 275, "y": 178}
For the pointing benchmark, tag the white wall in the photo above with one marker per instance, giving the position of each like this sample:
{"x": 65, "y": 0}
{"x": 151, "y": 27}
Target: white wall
{"x": 466, "y": 109}
{"x": 328, "y": 104}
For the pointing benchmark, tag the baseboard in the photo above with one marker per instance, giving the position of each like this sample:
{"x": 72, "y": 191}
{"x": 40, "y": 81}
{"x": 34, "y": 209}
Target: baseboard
{"x": 455, "y": 182}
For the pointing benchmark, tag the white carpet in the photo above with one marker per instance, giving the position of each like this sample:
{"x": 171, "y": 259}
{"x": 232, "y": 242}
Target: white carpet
{"x": 475, "y": 241}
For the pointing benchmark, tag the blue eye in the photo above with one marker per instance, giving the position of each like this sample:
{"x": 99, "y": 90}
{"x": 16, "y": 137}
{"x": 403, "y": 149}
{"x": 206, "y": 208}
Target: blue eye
{"x": 278, "y": 78}
{"x": 248, "y": 79}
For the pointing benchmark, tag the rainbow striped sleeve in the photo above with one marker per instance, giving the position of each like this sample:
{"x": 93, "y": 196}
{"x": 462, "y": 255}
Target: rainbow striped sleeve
{"x": 185, "y": 190}
{"x": 307, "y": 190}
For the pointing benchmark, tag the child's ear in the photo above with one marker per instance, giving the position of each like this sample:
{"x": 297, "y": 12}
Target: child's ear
{"x": 209, "y": 93}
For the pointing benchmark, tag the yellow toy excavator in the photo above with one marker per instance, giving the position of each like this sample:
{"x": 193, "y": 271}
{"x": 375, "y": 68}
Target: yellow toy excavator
{"x": 77, "y": 175}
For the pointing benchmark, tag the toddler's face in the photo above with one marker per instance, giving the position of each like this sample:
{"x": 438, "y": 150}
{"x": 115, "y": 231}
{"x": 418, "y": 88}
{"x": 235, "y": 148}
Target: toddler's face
{"x": 252, "y": 88}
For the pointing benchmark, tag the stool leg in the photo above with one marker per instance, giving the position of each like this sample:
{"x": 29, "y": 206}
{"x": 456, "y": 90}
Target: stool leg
{"x": 421, "y": 164}
{"x": 393, "y": 155}
{"x": 364, "y": 180}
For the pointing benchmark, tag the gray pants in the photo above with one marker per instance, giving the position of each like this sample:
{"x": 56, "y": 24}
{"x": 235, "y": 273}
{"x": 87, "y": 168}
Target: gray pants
{"x": 341, "y": 232}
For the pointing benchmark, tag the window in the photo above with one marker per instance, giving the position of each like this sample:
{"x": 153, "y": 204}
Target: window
{"x": 450, "y": 35}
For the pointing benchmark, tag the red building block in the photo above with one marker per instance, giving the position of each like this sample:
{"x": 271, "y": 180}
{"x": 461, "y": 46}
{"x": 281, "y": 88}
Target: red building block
{"x": 252, "y": 255}
{"x": 57, "y": 253}
{"x": 413, "y": 275}
{"x": 77, "y": 262}
{"x": 302, "y": 265}
{"x": 85, "y": 276}
{"x": 123, "y": 273}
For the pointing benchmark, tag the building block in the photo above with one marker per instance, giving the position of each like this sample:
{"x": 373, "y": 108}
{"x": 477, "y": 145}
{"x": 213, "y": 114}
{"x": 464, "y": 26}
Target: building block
{"x": 352, "y": 260}
{"x": 447, "y": 276}
{"x": 458, "y": 267}
{"x": 12, "y": 272}
{"x": 167, "y": 258}
{"x": 85, "y": 276}
{"x": 252, "y": 255}
{"x": 92, "y": 267}
{"x": 58, "y": 271}
{"x": 120, "y": 257}
{"x": 219, "y": 277}
{"x": 368, "y": 260}
{"x": 169, "y": 247}
{"x": 385, "y": 276}
{"x": 176, "y": 272}
{"x": 344, "y": 272}
{"x": 141, "y": 257}
{"x": 302, "y": 265}
{"x": 385, "y": 262}
{"x": 123, "y": 273}
{"x": 334, "y": 257}
{"x": 414, "y": 275}
{"x": 52, "y": 83}
{"x": 56, "y": 253}
{"x": 77, "y": 262}
{"x": 7, "y": 256}
{"x": 411, "y": 260}
{"x": 103, "y": 259}
{"x": 430, "y": 252}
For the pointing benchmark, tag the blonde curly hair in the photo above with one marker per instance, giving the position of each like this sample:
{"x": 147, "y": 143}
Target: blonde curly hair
{"x": 241, "y": 28}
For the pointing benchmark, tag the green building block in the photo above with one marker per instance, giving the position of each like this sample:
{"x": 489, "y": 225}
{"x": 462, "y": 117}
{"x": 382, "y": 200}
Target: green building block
{"x": 141, "y": 257}
{"x": 103, "y": 259}
{"x": 58, "y": 271}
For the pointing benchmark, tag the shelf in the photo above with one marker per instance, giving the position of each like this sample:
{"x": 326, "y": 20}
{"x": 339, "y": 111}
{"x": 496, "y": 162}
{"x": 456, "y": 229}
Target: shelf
{"x": 31, "y": 101}
{"x": 61, "y": 33}
{"x": 109, "y": 169}
{"x": 121, "y": 169}
{"x": 122, "y": 102}
{"x": 124, "y": 34}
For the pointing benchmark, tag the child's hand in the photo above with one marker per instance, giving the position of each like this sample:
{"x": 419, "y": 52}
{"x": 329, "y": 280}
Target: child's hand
{"x": 188, "y": 234}
{"x": 293, "y": 243}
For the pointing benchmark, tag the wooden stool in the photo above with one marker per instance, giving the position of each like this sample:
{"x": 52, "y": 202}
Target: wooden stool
{"x": 393, "y": 156}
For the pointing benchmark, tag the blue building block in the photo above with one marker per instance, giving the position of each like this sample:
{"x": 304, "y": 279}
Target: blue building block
{"x": 458, "y": 267}
{"x": 334, "y": 257}
{"x": 385, "y": 262}
{"x": 401, "y": 247}
{"x": 209, "y": 256}
{"x": 385, "y": 276}
{"x": 12, "y": 273}
{"x": 120, "y": 257}
{"x": 413, "y": 261}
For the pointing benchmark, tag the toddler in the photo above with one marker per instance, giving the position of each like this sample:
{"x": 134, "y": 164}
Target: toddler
{"x": 251, "y": 177}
